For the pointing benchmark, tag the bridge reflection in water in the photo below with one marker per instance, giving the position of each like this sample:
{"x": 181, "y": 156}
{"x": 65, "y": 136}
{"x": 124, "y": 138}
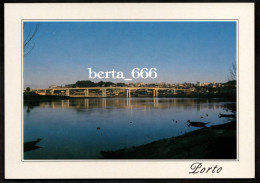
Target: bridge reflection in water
{"x": 79, "y": 128}
{"x": 131, "y": 103}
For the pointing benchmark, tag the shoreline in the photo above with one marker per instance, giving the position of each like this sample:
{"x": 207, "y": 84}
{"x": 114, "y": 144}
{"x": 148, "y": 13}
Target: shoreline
{"x": 215, "y": 142}
{"x": 55, "y": 97}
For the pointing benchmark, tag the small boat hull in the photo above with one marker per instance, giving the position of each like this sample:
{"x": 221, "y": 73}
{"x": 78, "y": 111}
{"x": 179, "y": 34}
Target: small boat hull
{"x": 227, "y": 115}
{"x": 197, "y": 124}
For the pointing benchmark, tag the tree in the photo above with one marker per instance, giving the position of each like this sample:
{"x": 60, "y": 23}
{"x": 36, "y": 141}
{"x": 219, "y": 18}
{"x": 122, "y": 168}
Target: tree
{"x": 28, "y": 89}
{"x": 28, "y": 44}
{"x": 233, "y": 72}
{"x": 86, "y": 83}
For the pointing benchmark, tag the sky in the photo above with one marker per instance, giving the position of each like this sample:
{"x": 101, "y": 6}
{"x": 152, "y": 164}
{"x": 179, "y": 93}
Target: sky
{"x": 180, "y": 51}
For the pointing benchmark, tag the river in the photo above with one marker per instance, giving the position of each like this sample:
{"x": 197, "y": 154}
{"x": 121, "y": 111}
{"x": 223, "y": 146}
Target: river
{"x": 81, "y": 128}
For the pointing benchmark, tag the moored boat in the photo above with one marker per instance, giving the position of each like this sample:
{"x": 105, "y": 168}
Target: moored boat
{"x": 197, "y": 124}
{"x": 227, "y": 115}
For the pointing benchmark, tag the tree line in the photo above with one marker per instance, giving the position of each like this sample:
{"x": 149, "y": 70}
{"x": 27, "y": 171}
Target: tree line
{"x": 88, "y": 83}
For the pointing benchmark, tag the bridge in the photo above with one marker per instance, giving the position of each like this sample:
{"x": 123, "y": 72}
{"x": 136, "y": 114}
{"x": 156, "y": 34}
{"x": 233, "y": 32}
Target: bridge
{"x": 105, "y": 91}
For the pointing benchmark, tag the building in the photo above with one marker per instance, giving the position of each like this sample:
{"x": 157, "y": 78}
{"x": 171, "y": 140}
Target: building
{"x": 52, "y": 86}
{"x": 206, "y": 84}
{"x": 139, "y": 84}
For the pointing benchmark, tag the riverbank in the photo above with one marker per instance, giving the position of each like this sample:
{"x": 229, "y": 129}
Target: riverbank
{"x": 32, "y": 96}
{"x": 32, "y": 99}
{"x": 215, "y": 142}
{"x": 57, "y": 97}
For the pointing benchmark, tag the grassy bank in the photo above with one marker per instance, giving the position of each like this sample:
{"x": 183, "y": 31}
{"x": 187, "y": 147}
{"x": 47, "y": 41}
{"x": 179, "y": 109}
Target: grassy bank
{"x": 215, "y": 142}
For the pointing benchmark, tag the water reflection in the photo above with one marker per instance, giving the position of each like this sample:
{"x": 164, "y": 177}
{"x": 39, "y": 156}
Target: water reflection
{"x": 126, "y": 103}
{"x": 81, "y": 128}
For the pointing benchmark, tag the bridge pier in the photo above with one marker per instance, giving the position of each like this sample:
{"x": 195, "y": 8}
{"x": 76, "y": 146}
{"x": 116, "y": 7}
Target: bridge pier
{"x": 67, "y": 92}
{"x": 86, "y": 92}
{"x": 104, "y": 93}
{"x": 128, "y": 93}
{"x": 155, "y": 93}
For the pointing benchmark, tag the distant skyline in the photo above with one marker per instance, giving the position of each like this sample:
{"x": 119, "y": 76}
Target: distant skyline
{"x": 181, "y": 51}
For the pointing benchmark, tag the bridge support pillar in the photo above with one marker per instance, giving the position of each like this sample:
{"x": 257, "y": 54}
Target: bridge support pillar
{"x": 67, "y": 92}
{"x": 52, "y": 92}
{"x": 86, "y": 92}
{"x": 174, "y": 92}
{"x": 155, "y": 93}
{"x": 104, "y": 93}
{"x": 129, "y": 93}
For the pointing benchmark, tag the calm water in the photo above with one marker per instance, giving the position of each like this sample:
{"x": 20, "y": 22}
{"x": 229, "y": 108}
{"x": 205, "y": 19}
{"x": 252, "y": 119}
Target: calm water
{"x": 69, "y": 127}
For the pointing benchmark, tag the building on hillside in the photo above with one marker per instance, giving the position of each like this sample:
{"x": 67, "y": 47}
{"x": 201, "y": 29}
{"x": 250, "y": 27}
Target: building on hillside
{"x": 52, "y": 86}
{"x": 206, "y": 84}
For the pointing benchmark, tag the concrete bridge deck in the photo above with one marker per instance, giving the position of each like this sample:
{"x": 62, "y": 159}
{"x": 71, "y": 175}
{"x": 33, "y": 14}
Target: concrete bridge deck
{"x": 104, "y": 90}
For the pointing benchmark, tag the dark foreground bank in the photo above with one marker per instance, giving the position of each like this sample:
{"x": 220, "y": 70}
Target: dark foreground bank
{"x": 32, "y": 96}
{"x": 215, "y": 142}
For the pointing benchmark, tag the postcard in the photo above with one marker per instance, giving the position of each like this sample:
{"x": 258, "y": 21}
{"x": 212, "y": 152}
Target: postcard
{"x": 129, "y": 90}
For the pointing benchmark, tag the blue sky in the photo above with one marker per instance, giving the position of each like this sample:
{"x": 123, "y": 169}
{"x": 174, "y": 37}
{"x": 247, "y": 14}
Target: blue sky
{"x": 181, "y": 51}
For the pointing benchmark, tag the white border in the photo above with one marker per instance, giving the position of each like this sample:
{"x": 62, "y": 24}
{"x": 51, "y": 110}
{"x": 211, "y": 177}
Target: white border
{"x": 15, "y": 168}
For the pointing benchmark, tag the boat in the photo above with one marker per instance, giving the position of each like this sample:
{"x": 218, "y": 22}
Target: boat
{"x": 227, "y": 115}
{"x": 197, "y": 124}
